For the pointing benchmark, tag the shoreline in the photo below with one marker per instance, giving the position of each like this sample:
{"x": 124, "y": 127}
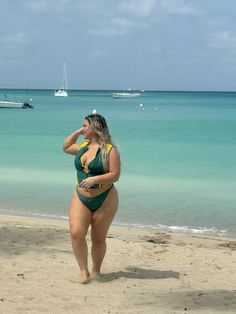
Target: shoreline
{"x": 160, "y": 228}
{"x": 144, "y": 271}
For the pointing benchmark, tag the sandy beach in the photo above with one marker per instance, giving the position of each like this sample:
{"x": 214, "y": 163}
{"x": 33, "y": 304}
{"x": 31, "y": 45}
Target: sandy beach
{"x": 144, "y": 271}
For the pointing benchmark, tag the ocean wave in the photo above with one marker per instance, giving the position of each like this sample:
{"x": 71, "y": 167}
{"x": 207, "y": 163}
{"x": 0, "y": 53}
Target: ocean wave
{"x": 161, "y": 227}
{"x": 183, "y": 229}
{"x": 19, "y": 212}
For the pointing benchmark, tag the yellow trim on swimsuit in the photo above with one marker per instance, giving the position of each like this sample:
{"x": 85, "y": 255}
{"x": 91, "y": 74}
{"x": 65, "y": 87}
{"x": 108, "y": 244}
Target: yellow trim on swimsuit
{"x": 85, "y": 143}
{"x": 109, "y": 147}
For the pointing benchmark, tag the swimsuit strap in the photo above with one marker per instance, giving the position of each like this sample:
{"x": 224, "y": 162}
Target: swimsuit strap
{"x": 109, "y": 147}
{"x": 86, "y": 143}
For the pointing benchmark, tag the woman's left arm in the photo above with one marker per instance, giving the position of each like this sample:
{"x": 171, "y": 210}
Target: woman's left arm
{"x": 111, "y": 176}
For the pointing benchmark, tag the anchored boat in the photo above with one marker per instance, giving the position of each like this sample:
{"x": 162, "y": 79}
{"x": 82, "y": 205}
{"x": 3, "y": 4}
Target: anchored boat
{"x": 63, "y": 91}
{"x": 15, "y": 104}
{"x": 125, "y": 95}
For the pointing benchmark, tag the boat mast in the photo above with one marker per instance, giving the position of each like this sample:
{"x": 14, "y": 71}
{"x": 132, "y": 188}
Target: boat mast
{"x": 65, "y": 84}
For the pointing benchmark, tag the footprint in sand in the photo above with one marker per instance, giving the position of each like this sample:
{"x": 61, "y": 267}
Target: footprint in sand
{"x": 231, "y": 245}
{"x": 158, "y": 239}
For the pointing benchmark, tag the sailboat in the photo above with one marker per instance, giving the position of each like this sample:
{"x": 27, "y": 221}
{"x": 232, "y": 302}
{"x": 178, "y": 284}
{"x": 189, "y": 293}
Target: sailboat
{"x": 63, "y": 91}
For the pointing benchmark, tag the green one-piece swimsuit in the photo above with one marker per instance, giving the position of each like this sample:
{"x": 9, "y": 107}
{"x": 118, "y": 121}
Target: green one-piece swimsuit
{"x": 94, "y": 168}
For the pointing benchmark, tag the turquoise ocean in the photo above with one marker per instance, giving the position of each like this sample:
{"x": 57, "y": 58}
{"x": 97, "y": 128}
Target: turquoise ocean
{"x": 178, "y": 152}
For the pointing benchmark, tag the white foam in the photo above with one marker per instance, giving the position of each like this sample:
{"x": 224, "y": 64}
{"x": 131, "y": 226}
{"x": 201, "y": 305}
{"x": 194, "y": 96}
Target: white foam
{"x": 184, "y": 229}
{"x": 181, "y": 229}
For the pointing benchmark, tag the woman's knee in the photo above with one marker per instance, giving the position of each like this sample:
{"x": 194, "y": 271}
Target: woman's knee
{"x": 77, "y": 233}
{"x": 98, "y": 239}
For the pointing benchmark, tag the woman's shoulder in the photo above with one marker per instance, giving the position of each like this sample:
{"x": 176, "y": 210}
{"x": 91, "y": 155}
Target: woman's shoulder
{"x": 112, "y": 149}
{"x": 80, "y": 146}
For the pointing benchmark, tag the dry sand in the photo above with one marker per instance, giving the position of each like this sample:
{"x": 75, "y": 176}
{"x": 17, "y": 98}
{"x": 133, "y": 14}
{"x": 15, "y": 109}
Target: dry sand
{"x": 144, "y": 271}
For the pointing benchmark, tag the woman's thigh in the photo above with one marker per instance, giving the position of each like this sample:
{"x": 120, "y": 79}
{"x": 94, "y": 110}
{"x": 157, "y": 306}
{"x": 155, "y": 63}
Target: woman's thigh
{"x": 79, "y": 216}
{"x": 102, "y": 217}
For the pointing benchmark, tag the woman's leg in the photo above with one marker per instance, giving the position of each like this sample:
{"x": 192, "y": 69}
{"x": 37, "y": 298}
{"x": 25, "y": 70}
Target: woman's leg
{"x": 101, "y": 221}
{"x": 80, "y": 218}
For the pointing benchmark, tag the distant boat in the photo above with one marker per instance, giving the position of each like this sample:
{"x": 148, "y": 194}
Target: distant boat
{"x": 63, "y": 91}
{"x": 15, "y": 104}
{"x": 126, "y": 94}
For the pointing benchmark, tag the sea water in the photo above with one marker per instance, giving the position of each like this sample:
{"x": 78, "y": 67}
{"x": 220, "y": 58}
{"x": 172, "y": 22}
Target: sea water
{"x": 178, "y": 152}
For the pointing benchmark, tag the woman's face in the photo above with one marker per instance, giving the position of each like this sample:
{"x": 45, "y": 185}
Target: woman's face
{"x": 87, "y": 130}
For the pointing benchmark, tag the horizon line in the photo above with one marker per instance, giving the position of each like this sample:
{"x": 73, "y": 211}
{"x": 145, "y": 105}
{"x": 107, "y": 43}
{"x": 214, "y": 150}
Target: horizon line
{"x": 133, "y": 90}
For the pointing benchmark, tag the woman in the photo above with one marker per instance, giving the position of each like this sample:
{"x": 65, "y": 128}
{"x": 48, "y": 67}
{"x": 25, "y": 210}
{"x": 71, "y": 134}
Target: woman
{"x": 95, "y": 200}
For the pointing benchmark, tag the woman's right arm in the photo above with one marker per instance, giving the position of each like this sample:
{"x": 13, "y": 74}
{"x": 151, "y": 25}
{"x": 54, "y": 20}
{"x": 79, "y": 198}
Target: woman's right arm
{"x": 70, "y": 146}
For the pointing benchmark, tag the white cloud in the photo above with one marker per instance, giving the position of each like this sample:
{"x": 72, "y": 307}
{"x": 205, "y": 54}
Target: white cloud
{"x": 106, "y": 31}
{"x": 13, "y": 39}
{"x": 223, "y": 39}
{"x": 48, "y": 6}
{"x": 113, "y": 27}
{"x": 138, "y": 7}
{"x": 122, "y": 22}
{"x": 178, "y": 7}
{"x": 13, "y": 48}
{"x": 144, "y": 8}
{"x": 36, "y": 5}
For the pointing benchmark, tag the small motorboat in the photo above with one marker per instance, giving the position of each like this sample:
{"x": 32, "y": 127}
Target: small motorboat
{"x": 14, "y": 104}
{"x": 125, "y": 94}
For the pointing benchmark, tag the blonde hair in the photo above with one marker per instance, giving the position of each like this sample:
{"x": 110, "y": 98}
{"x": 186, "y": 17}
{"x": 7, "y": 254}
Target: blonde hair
{"x": 99, "y": 126}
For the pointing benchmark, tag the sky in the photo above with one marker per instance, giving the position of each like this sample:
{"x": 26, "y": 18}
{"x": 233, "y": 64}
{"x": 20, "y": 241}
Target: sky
{"x": 119, "y": 44}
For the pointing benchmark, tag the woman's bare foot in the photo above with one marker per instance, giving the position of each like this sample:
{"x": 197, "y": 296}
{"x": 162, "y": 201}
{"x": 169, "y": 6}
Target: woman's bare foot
{"x": 84, "y": 277}
{"x": 96, "y": 275}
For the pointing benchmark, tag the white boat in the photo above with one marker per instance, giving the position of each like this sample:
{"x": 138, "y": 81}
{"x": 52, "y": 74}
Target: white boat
{"x": 63, "y": 91}
{"x": 15, "y": 104}
{"x": 125, "y": 94}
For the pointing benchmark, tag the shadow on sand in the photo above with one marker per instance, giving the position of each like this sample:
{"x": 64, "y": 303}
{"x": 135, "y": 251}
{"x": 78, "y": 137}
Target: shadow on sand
{"x": 140, "y": 273}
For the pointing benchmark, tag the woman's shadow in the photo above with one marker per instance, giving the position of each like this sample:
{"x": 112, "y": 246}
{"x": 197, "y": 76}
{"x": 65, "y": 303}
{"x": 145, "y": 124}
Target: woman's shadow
{"x": 139, "y": 273}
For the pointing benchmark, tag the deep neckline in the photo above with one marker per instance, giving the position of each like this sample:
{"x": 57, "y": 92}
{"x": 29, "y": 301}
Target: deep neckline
{"x": 86, "y": 149}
